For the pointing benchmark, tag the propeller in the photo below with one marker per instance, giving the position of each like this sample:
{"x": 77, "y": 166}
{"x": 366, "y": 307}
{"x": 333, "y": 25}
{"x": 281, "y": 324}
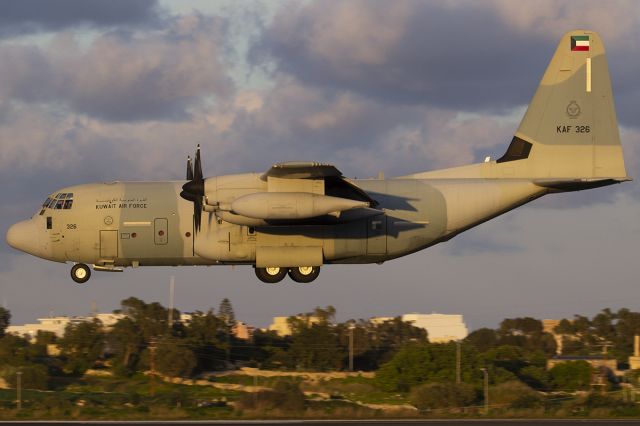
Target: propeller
{"x": 193, "y": 190}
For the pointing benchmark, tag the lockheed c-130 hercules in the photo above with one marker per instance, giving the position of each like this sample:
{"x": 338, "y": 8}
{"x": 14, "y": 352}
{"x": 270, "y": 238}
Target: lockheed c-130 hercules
{"x": 298, "y": 216}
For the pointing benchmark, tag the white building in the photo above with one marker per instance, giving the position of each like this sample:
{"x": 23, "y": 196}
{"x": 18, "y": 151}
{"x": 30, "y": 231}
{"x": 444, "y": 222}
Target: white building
{"x": 57, "y": 325}
{"x": 441, "y": 328}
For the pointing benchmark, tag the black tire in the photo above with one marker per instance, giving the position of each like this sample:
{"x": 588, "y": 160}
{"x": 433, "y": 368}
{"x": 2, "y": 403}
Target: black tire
{"x": 80, "y": 273}
{"x": 304, "y": 274}
{"x": 271, "y": 275}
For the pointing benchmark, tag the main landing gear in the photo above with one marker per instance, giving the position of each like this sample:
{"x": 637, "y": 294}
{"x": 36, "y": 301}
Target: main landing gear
{"x": 80, "y": 273}
{"x": 300, "y": 274}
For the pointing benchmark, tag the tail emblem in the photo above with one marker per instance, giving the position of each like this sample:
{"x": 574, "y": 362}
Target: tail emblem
{"x": 573, "y": 109}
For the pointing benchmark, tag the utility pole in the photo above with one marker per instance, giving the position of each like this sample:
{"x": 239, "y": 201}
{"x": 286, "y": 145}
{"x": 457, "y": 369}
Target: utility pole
{"x": 152, "y": 355}
{"x": 351, "y": 327}
{"x": 458, "y": 359}
{"x": 19, "y": 389}
{"x": 486, "y": 390}
{"x": 152, "y": 363}
{"x": 172, "y": 284}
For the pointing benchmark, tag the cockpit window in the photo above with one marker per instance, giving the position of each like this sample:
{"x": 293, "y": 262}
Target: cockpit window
{"x": 63, "y": 200}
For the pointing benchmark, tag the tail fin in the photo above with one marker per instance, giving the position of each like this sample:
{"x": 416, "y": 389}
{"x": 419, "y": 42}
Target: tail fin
{"x": 570, "y": 130}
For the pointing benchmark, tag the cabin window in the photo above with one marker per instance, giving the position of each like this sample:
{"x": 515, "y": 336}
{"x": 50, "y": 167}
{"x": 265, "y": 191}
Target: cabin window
{"x": 49, "y": 222}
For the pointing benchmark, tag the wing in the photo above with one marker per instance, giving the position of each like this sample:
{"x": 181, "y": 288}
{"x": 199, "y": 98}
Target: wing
{"x": 335, "y": 184}
{"x": 301, "y": 170}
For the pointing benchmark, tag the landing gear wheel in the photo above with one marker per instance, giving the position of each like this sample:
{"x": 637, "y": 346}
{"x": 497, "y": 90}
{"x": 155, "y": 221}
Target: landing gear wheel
{"x": 304, "y": 274}
{"x": 271, "y": 275}
{"x": 80, "y": 273}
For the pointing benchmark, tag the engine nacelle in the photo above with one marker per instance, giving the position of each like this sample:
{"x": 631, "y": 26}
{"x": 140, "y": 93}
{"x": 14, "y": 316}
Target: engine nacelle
{"x": 291, "y": 205}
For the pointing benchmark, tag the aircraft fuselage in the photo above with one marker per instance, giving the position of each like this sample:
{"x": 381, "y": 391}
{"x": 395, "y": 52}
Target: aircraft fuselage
{"x": 148, "y": 224}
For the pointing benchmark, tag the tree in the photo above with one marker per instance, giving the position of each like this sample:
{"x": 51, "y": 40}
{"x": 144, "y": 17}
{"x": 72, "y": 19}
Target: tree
{"x": 536, "y": 377}
{"x": 527, "y": 333}
{"x": 375, "y": 344}
{"x": 268, "y": 349}
{"x": 14, "y": 350}
{"x": 442, "y": 395}
{"x": 126, "y": 341}
{"x": 5, "y": 320}
{"x": 316, "y": 348}
{"x": 82, "y": 345}
{"x": 571, "y": 375}
{"x": 34, "y": 376}
{"x": 483, "y": 339}
{"x": 427, "y": 362}
{"x": 151, "y": 318}
{"x": 225, "y": 313}
{"x": 174, "y": 359}
{"x": 206, "y": 333}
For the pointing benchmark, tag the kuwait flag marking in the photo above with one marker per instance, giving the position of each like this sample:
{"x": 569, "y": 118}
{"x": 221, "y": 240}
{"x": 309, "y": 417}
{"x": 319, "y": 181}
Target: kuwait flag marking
{"x": 580, "y": 43}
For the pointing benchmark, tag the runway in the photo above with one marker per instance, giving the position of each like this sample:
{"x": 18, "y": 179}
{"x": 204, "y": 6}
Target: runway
{"x": 443, "y": 422}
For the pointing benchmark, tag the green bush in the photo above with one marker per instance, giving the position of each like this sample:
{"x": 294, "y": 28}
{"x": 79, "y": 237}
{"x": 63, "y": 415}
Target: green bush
{"x": 514, "y": 394}
{"x": 34, "y": 376}
{"x": 175, "y": 360}
{"x": 442, "y": 395}
{"x": 286, "y": 396}
{"x": 571, "y": 376}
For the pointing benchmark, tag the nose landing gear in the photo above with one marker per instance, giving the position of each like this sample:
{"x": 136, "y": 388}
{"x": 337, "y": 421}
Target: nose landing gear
{"x": 80, "y": 273}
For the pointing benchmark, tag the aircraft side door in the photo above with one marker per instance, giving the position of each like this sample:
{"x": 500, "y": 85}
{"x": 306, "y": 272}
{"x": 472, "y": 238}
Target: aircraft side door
{"x": 108, "y": 244}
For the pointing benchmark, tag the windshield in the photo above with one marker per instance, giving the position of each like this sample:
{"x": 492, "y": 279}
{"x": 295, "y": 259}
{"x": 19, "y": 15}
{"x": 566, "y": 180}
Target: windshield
{"x": 60, "y": 201}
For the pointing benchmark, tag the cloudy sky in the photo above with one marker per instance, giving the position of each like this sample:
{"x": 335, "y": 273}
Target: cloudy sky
{"x": 123, "y": 90}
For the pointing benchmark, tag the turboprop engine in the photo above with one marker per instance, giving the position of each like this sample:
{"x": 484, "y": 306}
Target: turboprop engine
{"x": 292, "y": 205}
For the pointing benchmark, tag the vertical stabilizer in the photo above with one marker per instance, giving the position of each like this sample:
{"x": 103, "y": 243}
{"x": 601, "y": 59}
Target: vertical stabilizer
{"x": 570, "y": 129}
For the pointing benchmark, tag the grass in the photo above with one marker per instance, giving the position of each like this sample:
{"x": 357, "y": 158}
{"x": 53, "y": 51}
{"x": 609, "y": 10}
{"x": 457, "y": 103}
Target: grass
{"x": 139, "y": 397}
{"x": 142, "y": 397}
{"x": 360, "y": 389}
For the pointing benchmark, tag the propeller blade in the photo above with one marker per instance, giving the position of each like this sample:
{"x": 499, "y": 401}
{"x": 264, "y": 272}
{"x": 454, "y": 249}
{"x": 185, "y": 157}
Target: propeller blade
{"x": 189, "y": 169}
{"x": 197, "y": 214}
{"x": 193, "y": 189}
{"x": 198, "y": 166}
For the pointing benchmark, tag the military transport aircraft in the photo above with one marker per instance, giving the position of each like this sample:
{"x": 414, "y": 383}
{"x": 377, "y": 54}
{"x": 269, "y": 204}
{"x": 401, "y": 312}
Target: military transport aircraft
{"x": 298, "y": 216}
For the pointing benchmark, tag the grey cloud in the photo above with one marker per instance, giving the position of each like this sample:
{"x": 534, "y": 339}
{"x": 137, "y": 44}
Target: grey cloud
{"x": 33, "y": 16}
{"x": 123, "y": 77}
{"x": 460, "y": 55}
{"x": 463, "y": 57}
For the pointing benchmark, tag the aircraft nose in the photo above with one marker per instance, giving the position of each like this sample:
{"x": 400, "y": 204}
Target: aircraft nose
{"x": 23, "y": 236}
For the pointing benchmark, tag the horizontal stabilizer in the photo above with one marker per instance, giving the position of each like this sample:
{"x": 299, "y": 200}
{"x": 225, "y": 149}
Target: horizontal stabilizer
{"x": 566, "y": 185}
